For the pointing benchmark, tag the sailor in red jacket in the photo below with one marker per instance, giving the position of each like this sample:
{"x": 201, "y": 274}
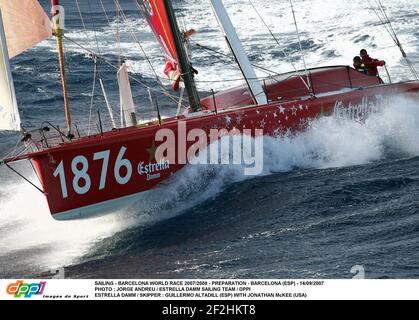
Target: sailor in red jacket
{"x": 370, "y": 63}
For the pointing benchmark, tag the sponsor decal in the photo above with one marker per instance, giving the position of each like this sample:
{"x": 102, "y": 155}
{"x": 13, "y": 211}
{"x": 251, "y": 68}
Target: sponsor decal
{"x": 21, "y": 289}
{"x": 359, "y": 111}
{"x": 148, "y": 7}
{"x": 152, "y": 170}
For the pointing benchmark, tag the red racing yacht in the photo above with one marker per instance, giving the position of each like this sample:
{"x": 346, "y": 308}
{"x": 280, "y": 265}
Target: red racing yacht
{"x": 93, "y": 174}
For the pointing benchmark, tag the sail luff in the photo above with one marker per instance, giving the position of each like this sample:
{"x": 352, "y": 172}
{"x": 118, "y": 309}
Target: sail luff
{"x": 168, "y": 38}
{"x": 9, "y": 113}
{"x": 156, "y": 16}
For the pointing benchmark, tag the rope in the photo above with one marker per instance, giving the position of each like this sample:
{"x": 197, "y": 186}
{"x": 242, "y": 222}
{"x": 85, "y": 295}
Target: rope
{"x": 301, "y": 49}
{"x": 384, "y": 19}
{"x": 287, "y": 57}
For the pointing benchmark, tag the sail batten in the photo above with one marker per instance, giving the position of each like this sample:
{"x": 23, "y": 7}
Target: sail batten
{"x": 25, "y": 24}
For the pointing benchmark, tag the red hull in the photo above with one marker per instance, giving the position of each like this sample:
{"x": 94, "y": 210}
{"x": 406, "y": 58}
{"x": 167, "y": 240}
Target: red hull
{"x": 79, "y": 176}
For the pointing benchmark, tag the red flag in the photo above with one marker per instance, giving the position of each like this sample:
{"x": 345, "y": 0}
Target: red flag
{"x": 173, "y": 73}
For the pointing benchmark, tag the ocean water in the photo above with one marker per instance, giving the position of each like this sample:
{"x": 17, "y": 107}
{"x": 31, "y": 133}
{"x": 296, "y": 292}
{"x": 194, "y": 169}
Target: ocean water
{"x": 338, "y": 195}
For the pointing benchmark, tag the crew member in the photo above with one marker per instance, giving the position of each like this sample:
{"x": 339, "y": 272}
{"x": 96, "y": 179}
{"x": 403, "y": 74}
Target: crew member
{"x": 172, "y": 68}
{"x": 358, "y": 65}
{"x": 371, "y": 64}
{"x": 187, "y": 35}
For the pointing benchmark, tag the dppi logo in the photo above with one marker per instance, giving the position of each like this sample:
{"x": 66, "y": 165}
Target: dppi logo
{"x": 27, "y": 290}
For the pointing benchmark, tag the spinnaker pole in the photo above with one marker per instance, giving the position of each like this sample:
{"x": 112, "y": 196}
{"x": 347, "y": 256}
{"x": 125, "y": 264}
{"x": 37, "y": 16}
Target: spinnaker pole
{"x": 58, "y": 31}
{"x": 185, "y": 68}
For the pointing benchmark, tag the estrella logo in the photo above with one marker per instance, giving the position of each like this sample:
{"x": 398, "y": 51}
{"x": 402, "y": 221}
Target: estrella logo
{"x": 27, "y": 290}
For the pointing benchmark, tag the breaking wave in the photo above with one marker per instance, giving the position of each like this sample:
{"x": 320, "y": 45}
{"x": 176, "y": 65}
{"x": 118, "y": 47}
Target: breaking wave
{"x": 26, "y": 224}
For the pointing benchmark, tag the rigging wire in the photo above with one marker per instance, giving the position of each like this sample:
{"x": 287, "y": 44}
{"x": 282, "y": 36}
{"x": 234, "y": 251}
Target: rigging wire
{"x": 134, "y": 37}
{"x": 265, "y": 70}
{"x": 118, "y": 36}
{"x": 96, "y": 69}
{"x": 105, "y": 96}
{"x": 104, "y": 10}
{"x": 287, "y": 57}
{"x": 81, "y": 16}
{"x": 301, "y": 48}
{"x": 94, "y": 28}
{"x": 108, "y": 62}
{"x": 24, "y": 178}
{"x": 93, "y": 94}
{"x": 384, "y": 19}
{"x": 102, "y": 58}
{"x": 14, "y": 152}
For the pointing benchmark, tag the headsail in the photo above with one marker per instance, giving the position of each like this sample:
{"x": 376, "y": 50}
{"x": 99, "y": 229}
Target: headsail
{"x": 25, "y": 23}
{"x": 9, "y": 114}
{"x": 155, "y": 13}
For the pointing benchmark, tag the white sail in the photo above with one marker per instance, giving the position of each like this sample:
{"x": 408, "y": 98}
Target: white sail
{"x": 234, "y": 42}
{"x": 126, "y": 101}
{"x": 9, "y": 114}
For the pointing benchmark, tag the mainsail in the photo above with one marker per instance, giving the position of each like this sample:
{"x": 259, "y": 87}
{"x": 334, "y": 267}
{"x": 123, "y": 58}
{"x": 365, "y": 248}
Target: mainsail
{"x": 23, "y": 24}
{"x": 155, "y": 13}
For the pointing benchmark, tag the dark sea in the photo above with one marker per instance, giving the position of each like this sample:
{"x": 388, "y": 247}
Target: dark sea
{"x": 340, "y": 195}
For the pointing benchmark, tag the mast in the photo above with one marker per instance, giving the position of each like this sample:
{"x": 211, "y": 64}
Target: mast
{"x": 58, "y": 31}
{"x": 256, "y": 90}
{"x": 185, "y": 67}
